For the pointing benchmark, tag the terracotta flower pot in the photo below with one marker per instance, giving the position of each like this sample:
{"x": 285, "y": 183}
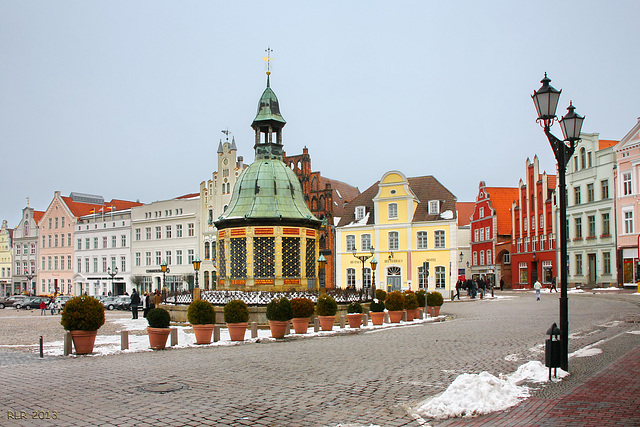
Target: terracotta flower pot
{"x": 300, "y": 324}
{"x": 158, "y": 337}
{"x": 436, "y": 310}
{"x": 410, "y": 315}
{"x": 278, "y": 328}
{"x": 83, "y": 341}
{"x": 395, "y": 316}
{"x": 237, "y": 330}
{"x": 203, "y": 333}
{"x": 377, "y": 317}
{"x": 354, "y": 319}
{"x": 326, "y": 322}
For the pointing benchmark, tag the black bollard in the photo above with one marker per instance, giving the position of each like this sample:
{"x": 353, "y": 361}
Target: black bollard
{"x": 41, "y": 350}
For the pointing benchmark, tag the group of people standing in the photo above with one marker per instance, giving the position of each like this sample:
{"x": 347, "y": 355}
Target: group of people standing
{"x": 474, "y": 286}
{"x": 53, "y": 305}
{"x": 149, "y": 301}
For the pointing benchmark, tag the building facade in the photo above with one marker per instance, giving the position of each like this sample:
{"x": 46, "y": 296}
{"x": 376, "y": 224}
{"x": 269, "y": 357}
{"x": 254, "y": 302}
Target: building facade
{"x": 25, "y": 251}
{"x": 103, "y": 252}
{"x": 627, "y": 188}
{"x": 491, "y": 233}
{"x": 165, "y": 231}
{"x": 591, "y": 238}
{"x": 215, "y": 195}
{"x": 533, "y": 223}
{"x": 326, "y": 198}
{"x": 6, "y": 259}
{"x": 404, "y": 223}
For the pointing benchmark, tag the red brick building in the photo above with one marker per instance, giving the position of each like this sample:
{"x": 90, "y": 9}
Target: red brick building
{"x": 533, "y": 244}
{"x": 491, "y": 233}
{"x": 326, "y": 199}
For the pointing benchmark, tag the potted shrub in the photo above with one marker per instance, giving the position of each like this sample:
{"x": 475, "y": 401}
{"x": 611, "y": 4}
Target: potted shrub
{"x": 83, "y": 316}
{"x": 236, "y": 316}
{"x": 326, "y": 309}
{"x": 411, "y": 305}
{"x": 279, "y": 313}
{"x": 395, "y": 305}
{"x": 434, "y": 302}
{"x": 202, "y": 317}
{"x": 158, "y": 329}
{"x": 302, "y": 311}
{"x": 381, "y": 295}
{"x": 421, "y": 296}
{"x": 376, "y": 311}
{"x": 354, "y": 314}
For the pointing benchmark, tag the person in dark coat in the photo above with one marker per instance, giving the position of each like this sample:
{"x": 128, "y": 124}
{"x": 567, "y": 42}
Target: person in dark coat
{"x": 501, "y": 284}
{"x": 458, "y": 287}
{"x": 553, "y": 285}
{"x": 135, "y": 302}
{"x": 483, "y": 286}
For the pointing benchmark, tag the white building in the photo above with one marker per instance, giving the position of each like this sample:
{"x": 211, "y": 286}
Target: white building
{"x": 103, "y": 253}
{"x": 215, "y": 195}
{"x": 25, "y": 251}
{"x": 591, "y": 238}
{"x": 165, "y": 231}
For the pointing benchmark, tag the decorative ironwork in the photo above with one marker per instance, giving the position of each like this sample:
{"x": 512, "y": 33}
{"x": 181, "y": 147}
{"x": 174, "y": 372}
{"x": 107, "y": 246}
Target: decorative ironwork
{"x": 238, "y": 254}
{"x": 290, "y": 257}
{"x": 222, "y": 265}
{"x": 264, "y": 257}
{"x": 311, "y": 258}
{"x": 342, "y": 296}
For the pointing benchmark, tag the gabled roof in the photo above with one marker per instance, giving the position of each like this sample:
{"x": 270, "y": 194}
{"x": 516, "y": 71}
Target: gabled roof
{"x": 343, "y": 193}
{"x": 189, "y": 196}
{"x": 79, "y": 209}
{"x": 425, "y": 188}
{"x": 606, "y": 143}
{"x": 37, "y": 216}
{"x": 501, "y": 200}
{"x": 465, "y": 210}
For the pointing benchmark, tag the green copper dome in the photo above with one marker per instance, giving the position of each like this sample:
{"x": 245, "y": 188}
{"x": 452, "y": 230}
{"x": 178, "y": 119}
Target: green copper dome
{"x": 268, "y": 192}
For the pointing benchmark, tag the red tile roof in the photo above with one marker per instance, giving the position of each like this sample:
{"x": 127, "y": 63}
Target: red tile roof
{"x": 37, "y": 216}
{"x": 79, "y": 209}
{"x": 465, "y": 210}
{"x": 501, "y": 200}
{"x": 606, "y": 143}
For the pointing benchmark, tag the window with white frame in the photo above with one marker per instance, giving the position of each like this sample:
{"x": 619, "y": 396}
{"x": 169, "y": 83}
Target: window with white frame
{"x": 626, "y": 183}
{"x": 359, "y": 212}
{"x": 481, "y": 234}
{"x": 439, "y": 240}
{"x": 393, "y": 211}
{"x": 158, "y": 257}
{"x": 475, "y": 258}
{"x": 422, "y": 279}
{"x": 578, "y": 264}
{"x": 351, "y": 242}
{"x": 489, "y": 259}
{"x": 137, "y": 259}
{"x": 628, "y": 222}
{"x": 178, "y": 230}
{"x": 138, "y": 234}
{"x": 422, "y": 240}
{"x": 524, "y": 276}
{"x": 441, "y": 280}
{"x": 481, "y": 257}
{"x": 541, "y": 222}
{"x": 487, "y": 233}
{"x": 605, "y": 188}
{"x": 351, "y": 276}
{"x": 476, "y": 235}
{"x": 481, "y": 213}
{"x": 190, "y": 229}
{"x": 367, "y": 276}
{"x": 434, "y": 207}
{"x": 168, "y": 231}
{"x": 394, "y": 243}
{"x": 158, "y": 233}
{"x": 506, "y": 258}
{"x": 365, "y": 242}
{"x": 147, "y": 232}
{"x": 606, "y": 262}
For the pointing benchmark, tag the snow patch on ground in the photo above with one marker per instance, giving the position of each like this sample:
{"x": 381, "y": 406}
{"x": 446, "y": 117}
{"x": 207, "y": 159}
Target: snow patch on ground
{"x": 475, "y": 394}
{"x": 512, "y": 357}
{"x": 586, "y": 352}
{"x": 634, "y": 332}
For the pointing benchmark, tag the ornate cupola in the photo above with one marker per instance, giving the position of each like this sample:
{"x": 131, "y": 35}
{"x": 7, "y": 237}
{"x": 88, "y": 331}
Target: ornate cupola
{"x": 267, "y": 237}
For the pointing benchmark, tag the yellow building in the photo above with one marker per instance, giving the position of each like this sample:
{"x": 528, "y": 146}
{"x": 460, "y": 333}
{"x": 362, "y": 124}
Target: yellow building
{"x": 6, "y": 260}
{"x": 403, "y": 223}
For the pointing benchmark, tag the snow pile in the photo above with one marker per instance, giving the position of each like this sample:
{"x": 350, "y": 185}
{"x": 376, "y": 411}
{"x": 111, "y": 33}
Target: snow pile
{"x": 476, "y": 394}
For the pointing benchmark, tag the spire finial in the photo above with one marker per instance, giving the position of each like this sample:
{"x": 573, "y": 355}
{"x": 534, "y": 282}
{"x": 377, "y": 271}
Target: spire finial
{"x": 268, "y": 60}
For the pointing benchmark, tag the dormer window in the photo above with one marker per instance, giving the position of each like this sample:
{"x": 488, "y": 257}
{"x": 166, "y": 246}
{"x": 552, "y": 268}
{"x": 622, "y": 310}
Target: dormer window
{"x": 434, "y": 207}
{"x": 393, "y": 211}
{"x": 359, "y": 212}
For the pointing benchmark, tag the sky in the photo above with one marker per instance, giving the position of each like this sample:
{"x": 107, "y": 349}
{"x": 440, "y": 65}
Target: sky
{"x": 127, "y": 100}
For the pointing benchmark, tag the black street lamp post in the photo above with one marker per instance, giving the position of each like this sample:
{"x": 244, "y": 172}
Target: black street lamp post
{"x": 362, "y": 259}
{"x": 546, "y": 101}
{"x": 196, "y": 268}
{"x": 29, "y": 277}
{"x": 163, "y": 267}
{"x": 322, "y": 261}
{"x": 112, "y": 273}
{"x": 374, "y": 264}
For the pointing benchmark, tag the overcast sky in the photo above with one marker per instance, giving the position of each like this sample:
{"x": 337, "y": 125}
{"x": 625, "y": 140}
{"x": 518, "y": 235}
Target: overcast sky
{"x": 126, "y": 99}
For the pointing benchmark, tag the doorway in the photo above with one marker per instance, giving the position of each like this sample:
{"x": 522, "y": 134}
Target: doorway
{"x": 592, "y": 269}
{"x": 394, "y": 279}
{"x": 534, "y": 271}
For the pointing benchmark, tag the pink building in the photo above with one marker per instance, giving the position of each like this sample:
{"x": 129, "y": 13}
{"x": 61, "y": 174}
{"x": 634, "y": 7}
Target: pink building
{"x": 627, "y": 185}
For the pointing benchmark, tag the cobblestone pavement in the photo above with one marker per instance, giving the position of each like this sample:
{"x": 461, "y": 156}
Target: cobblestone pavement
{"x": 373, "y": 377}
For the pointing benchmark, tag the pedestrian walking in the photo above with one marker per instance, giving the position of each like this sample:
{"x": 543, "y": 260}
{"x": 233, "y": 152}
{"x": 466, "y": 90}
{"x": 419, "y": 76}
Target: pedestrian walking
{"x": 145, "y": 304}
{"x": 458, "y": 287}
{"x": 501, "y": 284}
{"x": 43, "y": 308}
{"x": 483, "y": 286}
{"x": 157, "y": 299}
{"x": 52, "y": 306}
{"x": 58, "y": 306}
{"x": 135, "y": 301}
{"x": 553, "y": 285}
{"x": 537, "y": 286}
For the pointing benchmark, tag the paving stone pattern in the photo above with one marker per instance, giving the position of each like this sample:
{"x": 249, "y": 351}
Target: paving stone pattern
{"x": 361, "y": 379}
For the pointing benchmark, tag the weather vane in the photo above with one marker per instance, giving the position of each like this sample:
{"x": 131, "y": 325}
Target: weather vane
{"x": 268, "y": 60}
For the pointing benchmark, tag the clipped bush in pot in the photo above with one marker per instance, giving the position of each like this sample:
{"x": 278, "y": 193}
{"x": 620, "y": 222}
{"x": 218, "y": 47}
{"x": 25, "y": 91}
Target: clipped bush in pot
{"x": 395, "y": 305}
{"x": 354, "y": 314}
{"x": 303, "y": 309}
{"x": 202, "y": 317}
{"x": 376, "y": 311}
{"x": 158, "y": 329}
{"x": 83, "y": 316}
{"x": 279, "y": 313}
{"x": 236, "y": 316}
{"x": 326, "y": 309}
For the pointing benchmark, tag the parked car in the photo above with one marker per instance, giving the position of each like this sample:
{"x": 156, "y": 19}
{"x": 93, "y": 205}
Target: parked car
{"x": 10, "y": 301}
{"x": 112, "y": 303}
{"x": 31, "y": 302}
{"x": 125, "y": 302}
{"x": 63, "y": 299}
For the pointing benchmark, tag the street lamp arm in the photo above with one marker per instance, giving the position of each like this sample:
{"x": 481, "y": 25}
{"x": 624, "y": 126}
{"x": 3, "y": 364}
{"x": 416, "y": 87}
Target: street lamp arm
{"x": 557, "y": 145}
